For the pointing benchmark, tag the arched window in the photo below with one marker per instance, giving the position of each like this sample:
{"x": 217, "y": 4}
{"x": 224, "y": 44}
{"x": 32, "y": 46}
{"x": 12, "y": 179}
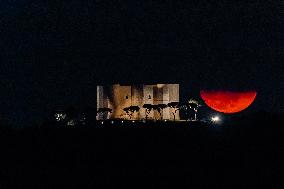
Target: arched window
{"x": 149, "y": 97}
{"x": 126, "y": 97}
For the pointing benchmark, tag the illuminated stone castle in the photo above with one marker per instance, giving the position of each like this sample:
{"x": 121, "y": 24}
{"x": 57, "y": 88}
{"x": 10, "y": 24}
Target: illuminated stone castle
{"x": 117, "y": 97}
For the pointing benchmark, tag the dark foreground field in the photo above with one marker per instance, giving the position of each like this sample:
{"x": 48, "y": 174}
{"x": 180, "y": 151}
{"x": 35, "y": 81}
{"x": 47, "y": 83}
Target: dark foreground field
{"x": 243, "y": 153}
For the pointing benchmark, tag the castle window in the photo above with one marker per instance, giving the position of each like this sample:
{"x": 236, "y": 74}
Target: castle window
{"x": 126, "y": 97}
{"x": 149, "y": 97}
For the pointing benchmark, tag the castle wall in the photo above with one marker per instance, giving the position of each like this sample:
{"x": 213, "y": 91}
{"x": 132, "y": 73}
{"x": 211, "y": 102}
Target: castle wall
{"x": 121, "y": 98}
{"x": 117, "y": 97}
{"x": 158, "y": 98}
{"x": 147, "y": 99}
{"x": 174, "y": 97}
{"x": 102, "y": 101}
{"x": 166, "y": 100}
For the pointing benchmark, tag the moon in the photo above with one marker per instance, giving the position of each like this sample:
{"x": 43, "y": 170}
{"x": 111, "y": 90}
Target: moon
{"x": 228, "y": 101}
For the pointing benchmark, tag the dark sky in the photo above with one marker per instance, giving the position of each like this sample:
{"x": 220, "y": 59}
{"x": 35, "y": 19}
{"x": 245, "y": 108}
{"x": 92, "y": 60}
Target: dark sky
{"x": 54, "y": 53}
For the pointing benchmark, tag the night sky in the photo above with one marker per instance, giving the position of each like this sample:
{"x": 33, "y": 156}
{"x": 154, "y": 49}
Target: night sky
{"x": 54, "y": 53}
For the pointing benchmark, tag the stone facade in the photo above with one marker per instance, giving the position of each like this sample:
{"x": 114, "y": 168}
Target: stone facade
{"x": 117, "y": 97}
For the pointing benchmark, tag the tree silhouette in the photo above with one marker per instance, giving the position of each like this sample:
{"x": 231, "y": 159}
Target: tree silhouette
{"x": 104, "y": 111}
{"x": 90, "y": 114}
{"x": 60, "y": 116}
{"x": 185, "y": 109}
{"x": 194, "y": 105}
{"x": 175, "y": 107}
{"x": 72, "y": 114}
{"x": 155, "y": 108}
{"x": 148, "y": 108}
{"x": 159, "y": 108}
{"x": 131, "y": 110}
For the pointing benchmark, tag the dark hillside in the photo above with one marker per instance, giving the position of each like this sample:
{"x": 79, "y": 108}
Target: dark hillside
{"x": 240, "y": 152}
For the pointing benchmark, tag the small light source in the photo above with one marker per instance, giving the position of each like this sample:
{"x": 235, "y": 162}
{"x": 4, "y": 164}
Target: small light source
{"x": 133, "y": 121}
{"x": 165, "y": 120}
{"x": 112, "y": 122}
{"x": 121, "y": 121}
{"x": 102, "y": 122}
{"x": 215, "y": 119}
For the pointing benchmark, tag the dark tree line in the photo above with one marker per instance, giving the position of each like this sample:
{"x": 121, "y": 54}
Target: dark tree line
{"x": 71, "y": 117}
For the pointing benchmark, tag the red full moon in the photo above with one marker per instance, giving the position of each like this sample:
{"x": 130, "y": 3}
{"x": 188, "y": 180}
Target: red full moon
{"x": 228, "y": 101}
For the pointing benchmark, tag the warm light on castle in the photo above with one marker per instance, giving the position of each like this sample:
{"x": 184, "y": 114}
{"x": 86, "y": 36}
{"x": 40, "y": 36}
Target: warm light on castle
{"x": 118, "y": 97}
